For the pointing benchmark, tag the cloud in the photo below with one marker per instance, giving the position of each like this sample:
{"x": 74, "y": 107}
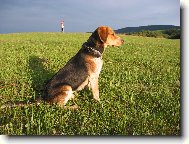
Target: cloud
{"x": 85, "y": 15}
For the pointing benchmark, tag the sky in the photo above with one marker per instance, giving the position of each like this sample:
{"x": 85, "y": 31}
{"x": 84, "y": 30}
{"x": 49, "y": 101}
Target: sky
{"x": 85, "y": 15}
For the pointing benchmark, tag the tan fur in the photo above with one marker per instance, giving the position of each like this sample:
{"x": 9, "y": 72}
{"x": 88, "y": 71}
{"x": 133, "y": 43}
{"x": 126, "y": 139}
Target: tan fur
{"x": 109, "y": 37}
{"x": 64, "y": 93}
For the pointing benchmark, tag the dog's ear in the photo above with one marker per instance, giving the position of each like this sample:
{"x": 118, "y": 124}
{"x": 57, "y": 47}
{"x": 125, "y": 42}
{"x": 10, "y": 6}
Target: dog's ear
{"x": 94, "y": 37}
{"x": 103, "y": 33}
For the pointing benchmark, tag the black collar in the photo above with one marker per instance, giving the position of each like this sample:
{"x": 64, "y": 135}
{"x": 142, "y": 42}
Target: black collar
{"x": 92, "y": 51}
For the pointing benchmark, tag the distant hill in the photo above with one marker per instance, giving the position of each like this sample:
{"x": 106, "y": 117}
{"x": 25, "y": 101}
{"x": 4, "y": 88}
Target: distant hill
{"x": 149, "y": 27}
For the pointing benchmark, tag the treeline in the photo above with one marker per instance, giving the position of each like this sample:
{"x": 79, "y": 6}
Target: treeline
{"x": 170, "y": 33}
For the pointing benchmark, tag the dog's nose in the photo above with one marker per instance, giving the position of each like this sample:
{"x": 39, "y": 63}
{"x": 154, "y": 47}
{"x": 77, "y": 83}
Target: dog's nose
{"x": 122, "y": 41}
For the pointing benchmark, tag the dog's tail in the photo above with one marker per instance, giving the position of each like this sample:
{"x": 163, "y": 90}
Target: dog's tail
{"x": 21, "y": 104}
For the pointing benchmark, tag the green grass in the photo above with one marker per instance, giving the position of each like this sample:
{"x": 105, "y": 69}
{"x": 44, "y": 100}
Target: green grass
{"x": 139, "y": 87}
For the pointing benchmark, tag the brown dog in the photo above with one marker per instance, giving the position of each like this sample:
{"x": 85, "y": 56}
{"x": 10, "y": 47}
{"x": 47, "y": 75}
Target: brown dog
{"x": 83, "y": 69}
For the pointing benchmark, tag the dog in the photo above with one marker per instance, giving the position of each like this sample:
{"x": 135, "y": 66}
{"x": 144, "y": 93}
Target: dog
{"x": 83, "y": 69}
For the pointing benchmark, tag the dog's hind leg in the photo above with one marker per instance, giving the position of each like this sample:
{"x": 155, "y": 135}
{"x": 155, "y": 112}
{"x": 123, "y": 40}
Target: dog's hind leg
{"x": 65, "y": 93}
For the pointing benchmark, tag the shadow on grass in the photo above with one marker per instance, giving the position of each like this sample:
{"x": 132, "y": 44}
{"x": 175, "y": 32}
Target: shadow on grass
{"x": 39, "y": 74}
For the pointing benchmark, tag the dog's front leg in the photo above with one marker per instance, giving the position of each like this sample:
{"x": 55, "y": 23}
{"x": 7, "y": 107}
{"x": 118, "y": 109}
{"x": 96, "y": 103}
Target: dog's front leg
{"x": 94, "y": 87}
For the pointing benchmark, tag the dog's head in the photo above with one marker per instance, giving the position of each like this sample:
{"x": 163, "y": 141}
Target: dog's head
{"x": 105, "y": 36}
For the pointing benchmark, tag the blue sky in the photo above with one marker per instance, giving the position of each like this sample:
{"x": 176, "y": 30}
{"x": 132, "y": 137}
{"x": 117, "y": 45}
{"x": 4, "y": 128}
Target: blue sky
{"x": 85, "y": 15}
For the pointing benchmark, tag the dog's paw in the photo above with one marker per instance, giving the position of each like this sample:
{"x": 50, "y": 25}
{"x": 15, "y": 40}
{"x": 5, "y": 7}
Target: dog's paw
{"x": 97, "y": 99}
{"x": 73, "y": 107}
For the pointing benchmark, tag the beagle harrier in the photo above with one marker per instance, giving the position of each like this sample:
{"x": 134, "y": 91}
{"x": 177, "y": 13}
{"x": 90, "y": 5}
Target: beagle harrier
{"x": 83, "y": 69}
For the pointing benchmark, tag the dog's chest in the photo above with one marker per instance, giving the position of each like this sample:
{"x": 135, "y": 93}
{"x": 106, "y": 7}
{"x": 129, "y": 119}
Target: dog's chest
{"x": 94, "y": 67}
{"x": 97, "y": 66}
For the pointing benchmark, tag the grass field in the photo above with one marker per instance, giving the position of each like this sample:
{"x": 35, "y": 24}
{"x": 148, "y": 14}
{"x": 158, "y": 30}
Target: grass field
{"x": 139, "y": 87}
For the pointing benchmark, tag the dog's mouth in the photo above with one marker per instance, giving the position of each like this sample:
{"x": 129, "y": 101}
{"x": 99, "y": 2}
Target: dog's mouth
{"x": 116, "y": 46}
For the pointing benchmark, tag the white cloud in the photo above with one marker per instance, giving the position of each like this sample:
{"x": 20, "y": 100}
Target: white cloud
{"x": 85, "y": 15}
